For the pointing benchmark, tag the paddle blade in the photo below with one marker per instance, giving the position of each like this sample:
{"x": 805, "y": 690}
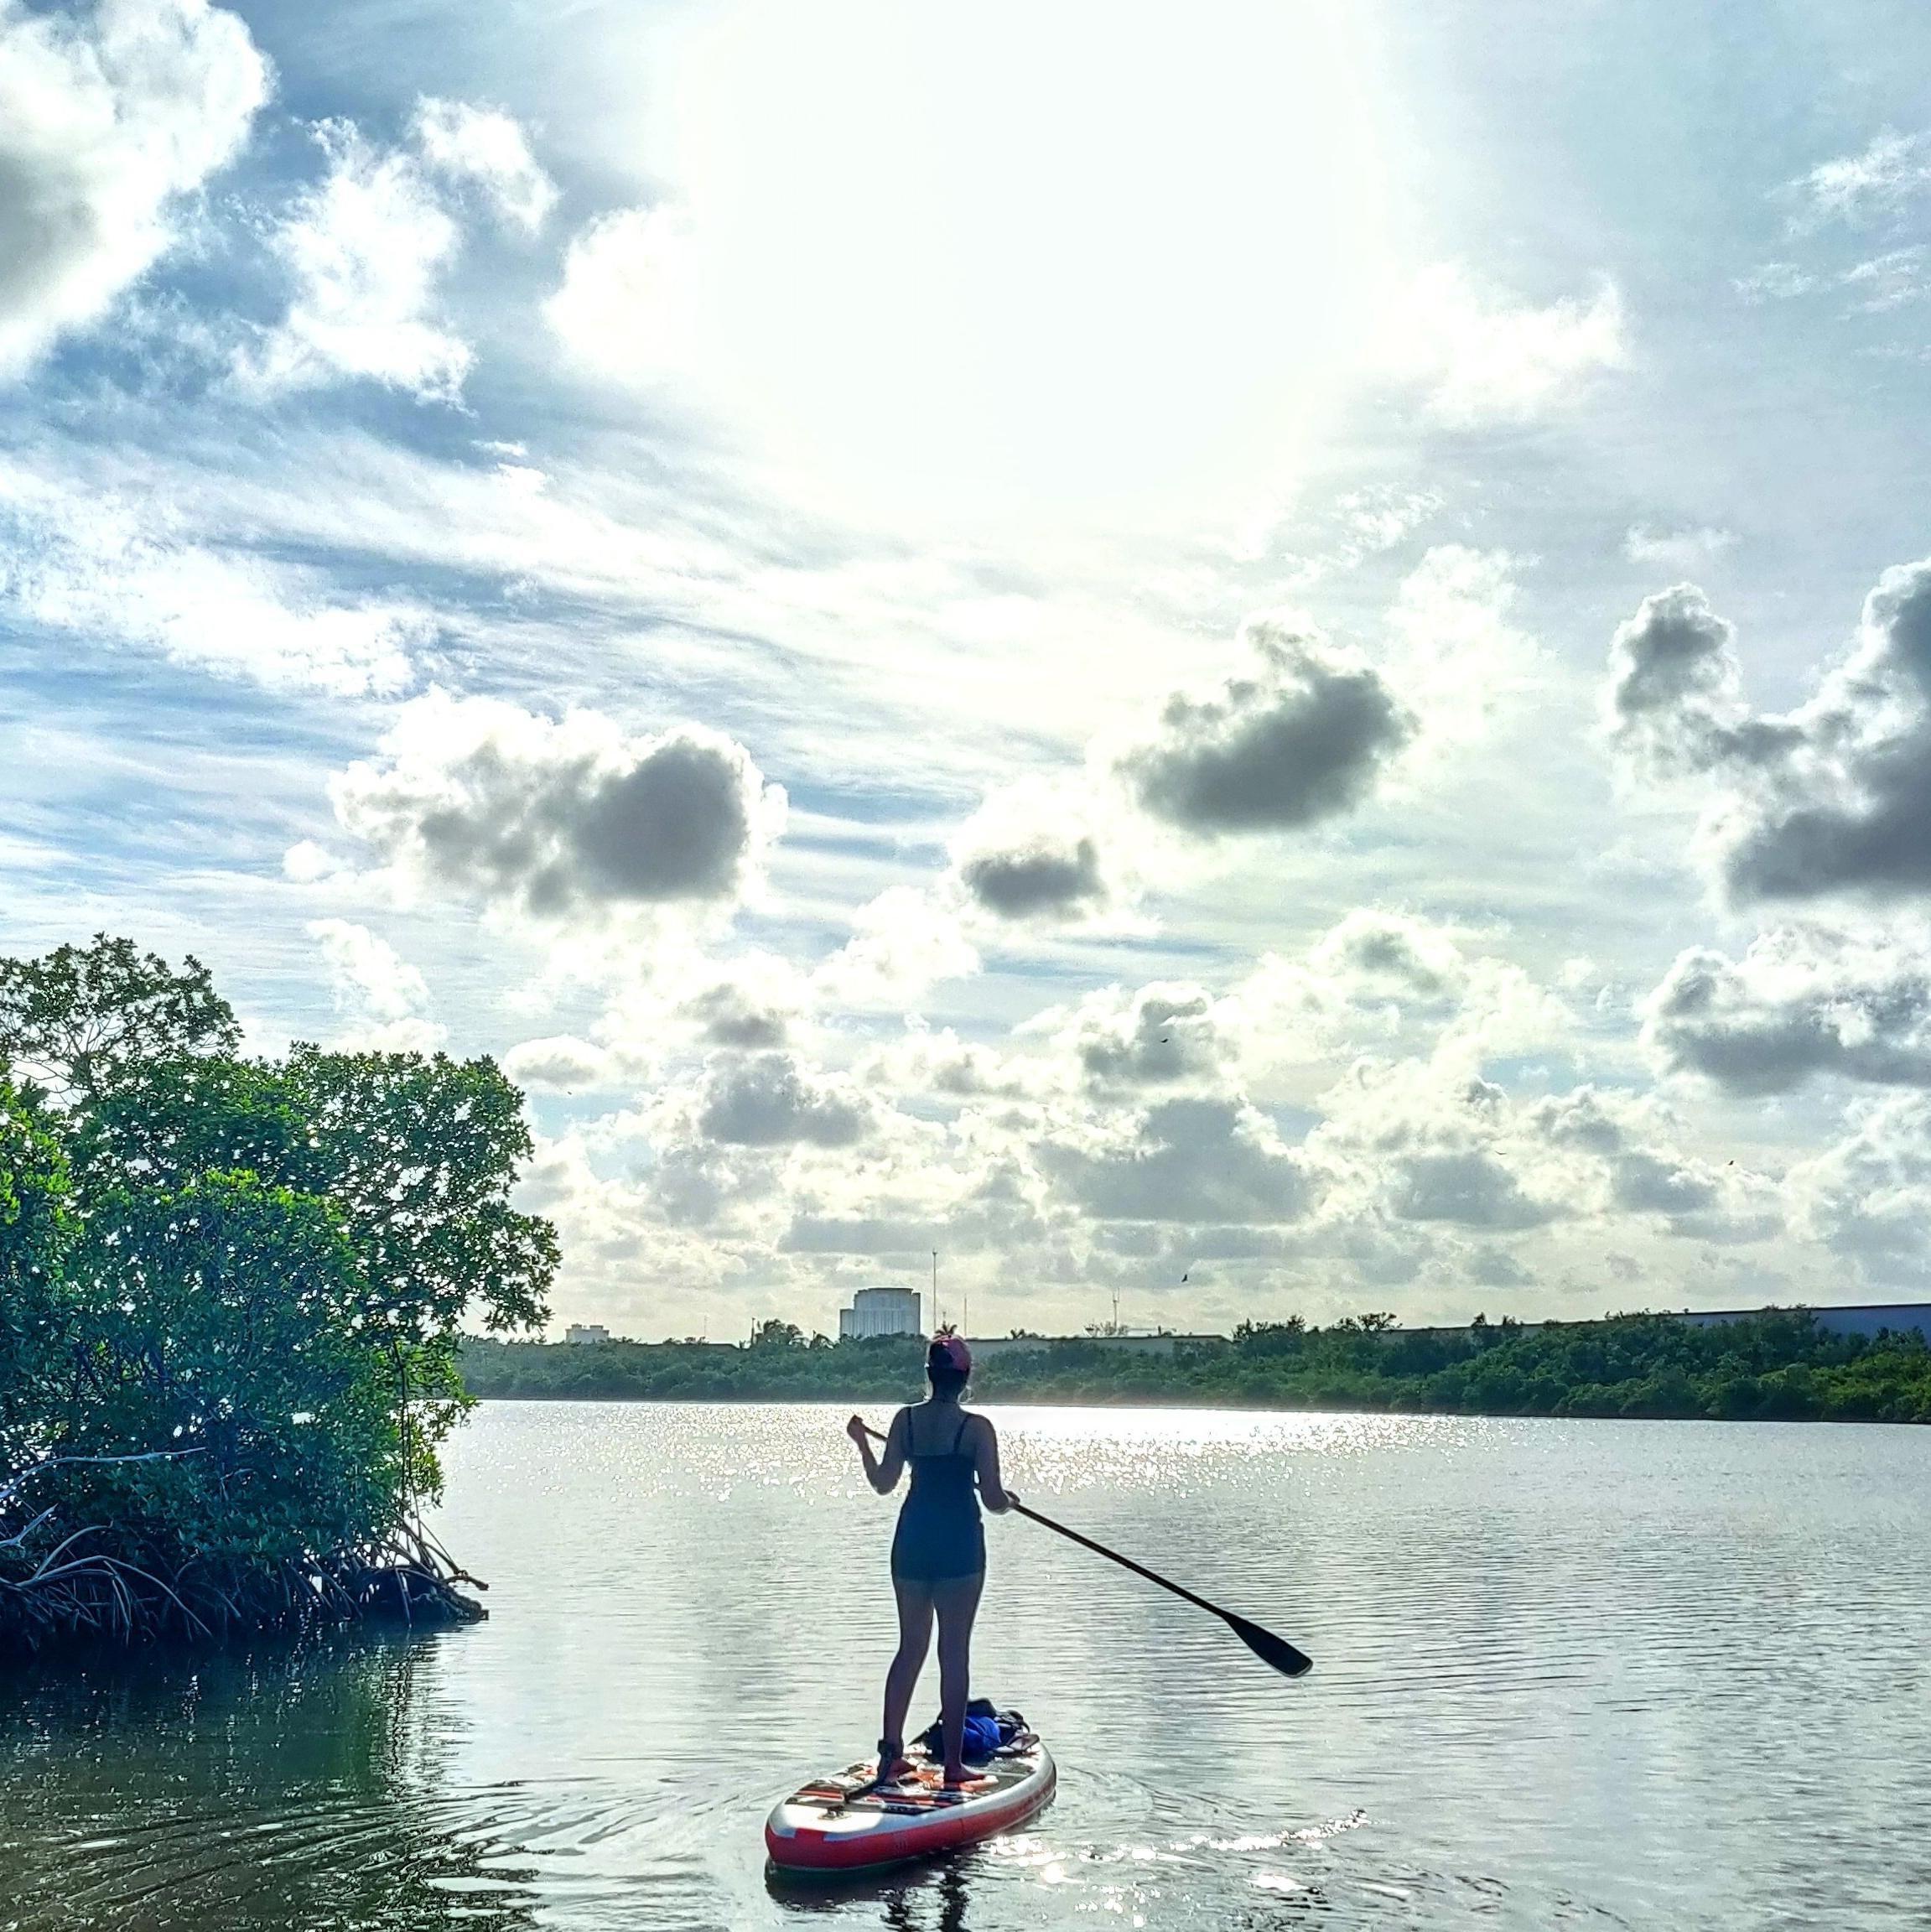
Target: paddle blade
{"x": 1274, "y": 1651}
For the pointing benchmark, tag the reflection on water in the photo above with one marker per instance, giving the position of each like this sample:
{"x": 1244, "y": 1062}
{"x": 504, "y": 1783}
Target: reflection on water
{"x": 1605, "y": 1675}
{"x": 291, "y": 1787}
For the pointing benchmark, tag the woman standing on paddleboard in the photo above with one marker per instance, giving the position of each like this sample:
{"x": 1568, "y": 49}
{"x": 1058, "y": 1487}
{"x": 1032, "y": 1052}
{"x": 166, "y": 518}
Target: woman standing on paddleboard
{"x": 938, "y": 1554}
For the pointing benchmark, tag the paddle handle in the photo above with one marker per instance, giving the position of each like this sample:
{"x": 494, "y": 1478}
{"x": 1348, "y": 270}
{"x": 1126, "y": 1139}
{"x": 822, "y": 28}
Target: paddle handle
{"x": 1101, "y": 1550}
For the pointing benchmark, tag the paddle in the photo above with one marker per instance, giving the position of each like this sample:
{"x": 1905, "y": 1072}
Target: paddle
{"x": 1275, "y": 1652}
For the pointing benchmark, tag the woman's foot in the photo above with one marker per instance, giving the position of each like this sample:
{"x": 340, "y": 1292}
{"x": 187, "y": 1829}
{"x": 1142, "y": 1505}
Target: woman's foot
{"x": 957, "y": 1776}
{"x": 893, "y": 1763}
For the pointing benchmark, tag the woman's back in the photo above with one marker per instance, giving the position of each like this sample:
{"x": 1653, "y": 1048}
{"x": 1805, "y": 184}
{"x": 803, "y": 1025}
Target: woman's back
{"x": 942, "y": 1456}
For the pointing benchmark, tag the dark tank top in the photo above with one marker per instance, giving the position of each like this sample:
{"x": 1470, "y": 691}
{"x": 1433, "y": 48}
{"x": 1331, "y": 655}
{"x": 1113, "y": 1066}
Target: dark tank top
{"x": 939, "y": 1534}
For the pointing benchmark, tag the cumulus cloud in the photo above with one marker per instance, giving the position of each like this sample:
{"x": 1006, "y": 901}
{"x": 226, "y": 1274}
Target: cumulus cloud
{"x": 624, "y": 308}
{"x": 573, "y": 819}
{"x": 109, "y": 114}
{"x": 1185, "y": 1159}
{"x": 1378, "y": 974}
{"x": 1376, "y": 953}
{"x": 1675, "y": 695}
{"x": 1642, "y": 1172}
{"x": 1835, "y": 798}
{"x": 560, "y": 1062}
{"x": 1302, "y": 739}
{"x": 1042, "y": 875}
{"x": 487, "y": 148}
{"x": 1432, "y": 1141}
{"x": 1033, "y": 851}
{"x": 767, "y": 1100}
{"x": 939, "y": 1065}
{"x": 1482, "y": 356}
{"x": 1158, "y": 1036}
{"x": 383, "y": 999}
{"x": 84, "y": 562}
{"x": 1869, "y": 1197}
{"x": 367, "y": 248}
{"x": 902, "y": 944}
{"x": 1469, "y": 1185}
{"x": 755, "y": 1002}
{"x": 1803, "y": 1001}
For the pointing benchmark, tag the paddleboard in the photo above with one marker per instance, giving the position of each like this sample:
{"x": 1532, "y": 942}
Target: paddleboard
{"x": 845, "y": 1823}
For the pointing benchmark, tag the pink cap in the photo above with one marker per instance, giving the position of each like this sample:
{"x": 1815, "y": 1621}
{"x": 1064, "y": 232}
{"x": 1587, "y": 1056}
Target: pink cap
{"x": 953, "y": 1348}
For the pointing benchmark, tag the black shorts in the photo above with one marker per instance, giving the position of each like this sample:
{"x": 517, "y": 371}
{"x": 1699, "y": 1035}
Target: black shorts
{"x": 933, "y": 1549}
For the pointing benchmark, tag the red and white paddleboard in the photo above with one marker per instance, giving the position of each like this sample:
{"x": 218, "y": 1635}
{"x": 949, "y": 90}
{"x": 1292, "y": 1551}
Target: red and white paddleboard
{"x": 842, "y": 1824}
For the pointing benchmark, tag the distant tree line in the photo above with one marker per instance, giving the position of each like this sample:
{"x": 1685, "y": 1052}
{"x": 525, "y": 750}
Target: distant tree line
{"x": 231, "y": 1289}
{"x": 1780, "y": 1365}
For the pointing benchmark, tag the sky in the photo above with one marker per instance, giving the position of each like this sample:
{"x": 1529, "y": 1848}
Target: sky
{"x": 1271, "y": 657}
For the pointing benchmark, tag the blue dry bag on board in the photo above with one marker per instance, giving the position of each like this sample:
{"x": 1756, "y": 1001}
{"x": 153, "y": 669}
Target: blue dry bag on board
{"x": 987, "y": 1730}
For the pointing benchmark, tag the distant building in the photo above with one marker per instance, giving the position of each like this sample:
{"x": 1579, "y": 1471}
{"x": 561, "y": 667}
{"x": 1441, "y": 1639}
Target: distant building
{"x": 586, "y": 1331}
{"x": 880, "y": 1311}
{"x": 1868, "y": 1319}
{"x": 1158, "y": 1341}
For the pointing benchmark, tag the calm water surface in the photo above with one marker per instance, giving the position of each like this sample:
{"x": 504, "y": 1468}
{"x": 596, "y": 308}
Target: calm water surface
{"x": 1591, "y": 1673}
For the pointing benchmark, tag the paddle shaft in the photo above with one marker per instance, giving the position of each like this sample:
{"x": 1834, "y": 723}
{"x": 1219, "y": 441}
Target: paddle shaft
{"x": 1112, "y": 1556}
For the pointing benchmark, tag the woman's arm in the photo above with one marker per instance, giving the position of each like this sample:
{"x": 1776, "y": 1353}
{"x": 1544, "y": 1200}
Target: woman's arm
{"x": 881, "y": 1471}
{"x": 993, "y": 1491}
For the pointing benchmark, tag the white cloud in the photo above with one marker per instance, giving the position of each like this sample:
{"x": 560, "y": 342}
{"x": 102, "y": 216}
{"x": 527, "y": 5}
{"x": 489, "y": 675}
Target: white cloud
{"x": 485, "y": 146}
{"x": 1481, "y": 356}
{"x": 1868, "y": 1197}
{"x": 1302, "y": 738}
{"x": 573, "y": 820}
{"x": 561, "y": 1062}
{"x": 1776, "y": 282}
{"x": 1035, "y": 851}
{"x": 625, "y": 306}
{"x": 81, "y": 561}
{"x": 1884, "y": 178}
{"x": 383, "y": 999}
{"x": 1676, "y": 549}
{"x": 1163, "y": 1035}
{"x": 754, "y": 1001}
{"x": 1892, "y": 280}
{"x": 767, "y": 1100}
{"x": 109, "y": 114}
{"x": 1187, "y": 1159}
{"x": 903, "y": 943}
{"x": 367, "y": 249}
{"x": 1802, "y": 1001}
{"x": 1832, "y": 798}
{"x": 1453, "y": 654}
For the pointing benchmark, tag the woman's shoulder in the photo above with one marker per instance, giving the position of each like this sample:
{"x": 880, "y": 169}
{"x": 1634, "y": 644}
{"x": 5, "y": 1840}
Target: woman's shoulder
{"x": 980, "y": 1423}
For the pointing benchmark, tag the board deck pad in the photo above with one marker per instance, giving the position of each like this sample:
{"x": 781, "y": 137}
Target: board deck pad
{"x": 845, "y": 1823}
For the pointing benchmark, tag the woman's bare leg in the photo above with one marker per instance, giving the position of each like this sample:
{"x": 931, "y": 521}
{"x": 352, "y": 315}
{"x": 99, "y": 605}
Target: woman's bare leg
{"x": 957, "y": 1601}
{"x": 914, "y": 1639}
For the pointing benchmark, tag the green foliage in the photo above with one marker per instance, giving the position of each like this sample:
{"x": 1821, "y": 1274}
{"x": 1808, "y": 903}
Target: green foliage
{"x": 37, "y": 1228}
{"x": 1772, "y": 1366}
{"x": 884, "y": 1367}
{"x": 221, "y": 1318}
{"x": 247, "y": 1273}
{"x": 74, "y": 1020}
